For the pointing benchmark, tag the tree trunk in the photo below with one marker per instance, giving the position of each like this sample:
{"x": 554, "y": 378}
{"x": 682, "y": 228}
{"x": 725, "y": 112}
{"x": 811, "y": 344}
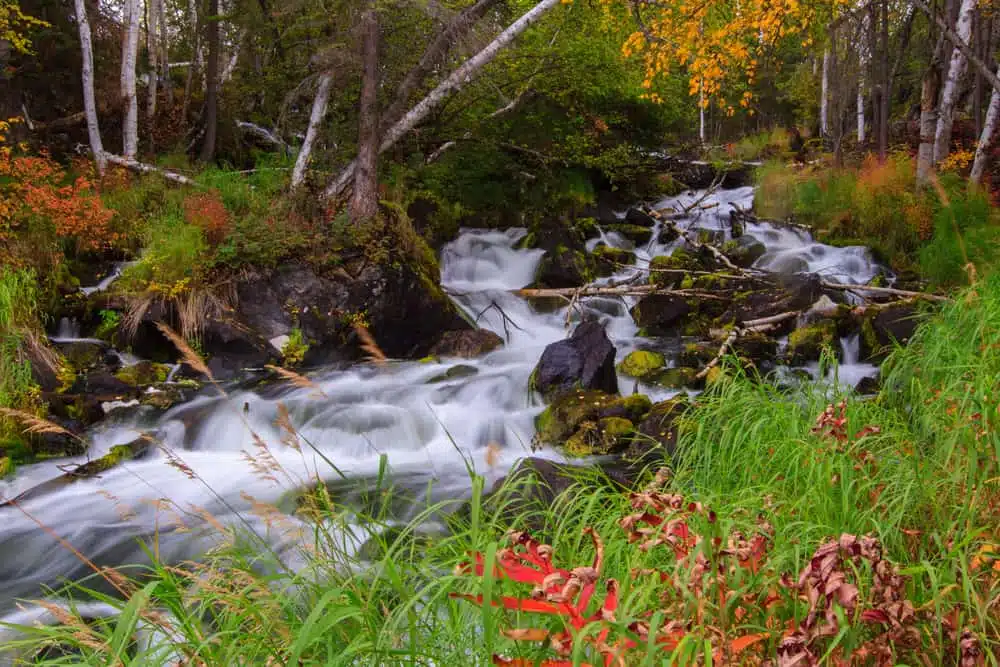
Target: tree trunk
{"x": 928, "y": 122}
{"x": 130, "y": 50}
{"x": 196, "y": 57}
{"x": 986, "y": 138}
{"x": 701, "y": 112}
{"x": 315, "y": 118}
{"x": 211, "y": 84}
{"x": 234, "y": 57}
{"x": 886, "y": 93}
{"x": 152, "y": 50}
{"x": 949, "y": 94}
{"x": 824, "y": 107}
{"x": 163, "y": 45}
{"x": 455, "y": 81}
{"x": 963, "y": 46}
{"x": 89, "y": 101}
{"x": 364, "y": 205}
{"x": 861, "y": 111}
{"x": 433, "y": 55}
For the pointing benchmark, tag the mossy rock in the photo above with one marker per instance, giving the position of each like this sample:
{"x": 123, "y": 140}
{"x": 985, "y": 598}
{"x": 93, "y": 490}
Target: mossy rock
{"x": 6, "y": 466}
{"x": 143, "y": 373}
{"x": 807, "y": 343}
{"x": 659, "y": 428}
{"x": 635, "y": 233}
{"x": 565, "y": 267}
{"x": 454, "y": 373}
{"x": 608, "y": 259}
{"x": 603, "y": 437}
{"x": 82, "y": 356}
{"x": 678, "y": 378}
{"x": 642, "y": 364}
{"x": 697, "y": 354}
{"x": 563, "y": 417}
{"x": 162, "y": 397}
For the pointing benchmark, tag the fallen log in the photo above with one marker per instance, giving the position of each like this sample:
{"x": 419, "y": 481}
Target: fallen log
{"x": 143, "y": 168}
{"x": 624, "y": 290}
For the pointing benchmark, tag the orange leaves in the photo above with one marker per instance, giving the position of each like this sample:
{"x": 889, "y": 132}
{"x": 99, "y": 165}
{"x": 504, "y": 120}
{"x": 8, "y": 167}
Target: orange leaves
{"x": 206, "y": 210}
{"x": 34, "y": 189}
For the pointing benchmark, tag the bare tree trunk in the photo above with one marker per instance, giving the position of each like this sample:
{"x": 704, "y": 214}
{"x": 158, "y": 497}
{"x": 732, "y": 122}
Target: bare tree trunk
{"x": 234, "y": 58}
{"x": 87, "y": 75}
{"x": 152, "y": 49}
{"x": 211, "y": 84}
{"x": 928, "y": 122}
{"x": 824, "y": 96}
{"x": 196, "y": 56}
{"x": 885, "y": 98}
{"x": 315, "y": 118}
{"x": 961, "y": 45}
{"x": 949, "y": 94}
{"x": 364, "y": 205}
{"x": 455, "y": 81}
{"x": 861, "y": 110}
{"x": 130, "y": 50}
{"x": 163, "y": 45}
{"x": 986, "y": 139}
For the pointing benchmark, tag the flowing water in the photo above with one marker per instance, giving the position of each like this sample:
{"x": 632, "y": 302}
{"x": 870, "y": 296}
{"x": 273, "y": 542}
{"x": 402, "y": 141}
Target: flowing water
{"x": 427, "y": 425}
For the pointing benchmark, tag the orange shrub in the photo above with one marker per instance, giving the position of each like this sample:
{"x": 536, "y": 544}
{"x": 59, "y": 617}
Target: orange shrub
{"x": 206, "y": 210}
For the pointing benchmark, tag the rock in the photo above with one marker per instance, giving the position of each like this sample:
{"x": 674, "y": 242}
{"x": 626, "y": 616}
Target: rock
{"x": 678, "y": 378}
{"x": 785, "y": 293}
{"x": 697, "y": 354}
{"x": 637, "y": 234}
{"x": 101, "y": 383}
{"x": 570, "y": 410}
{"x": 466, "y": 344}
{"x": 143, "y": 373}
{"x": 82, "y": 355}
{"x": 867, "y": 386}
{"x": 608, "y": 260}
{"x": 885, "y": 327}
{"x": 669, "y": 270}
{"x": 232, "y": 347}
{"x": 807, "y": 343}
{"x": 744, "y": 251}
{"x": 608, "y": 435}
{"x": 658, "y": 431}
{"x": 757, "y": 348}
{"x": 642, "y": 364}
{"x": 163, "y": 396}
{"x": 454, "y": 373}
{"x": 638, "y": 217}
{"x": 565, "y": 267}
{"x": 585, "y": 360}
{"x": 820, "y": 310}
{"x": 660, "y": 314}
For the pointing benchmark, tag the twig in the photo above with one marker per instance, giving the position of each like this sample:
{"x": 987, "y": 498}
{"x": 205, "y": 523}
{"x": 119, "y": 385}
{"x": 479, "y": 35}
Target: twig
{"x": 886, "y": 290}
{"x": 572, "y": 303}
{"x": 625, "y": 290}
{"x": 750, "y": 326}
{"x": 716, "y": 182}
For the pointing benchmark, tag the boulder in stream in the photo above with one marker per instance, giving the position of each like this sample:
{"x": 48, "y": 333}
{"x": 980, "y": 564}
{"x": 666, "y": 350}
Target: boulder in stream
{"x": 585, "y": 360}
{"x": 466, "y": 344}
{"x": 883, "y": 327}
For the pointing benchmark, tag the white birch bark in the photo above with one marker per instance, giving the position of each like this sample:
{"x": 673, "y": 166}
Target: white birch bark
{"x": 949, "y": 92}
{"x": 87, "y": 76}
{"x": 824, "y": 109}
{"x": 227, "y": 72}
{"x": 861, "y": 110}
{"x": 461, "y": 76}
{"x": 986, "y": 138}
{"x": 130, "y": 49}
{"x": 163, "y": 44}
{"x": 701, "y": 112}
{"x": 152, "y": 20}
{"x": 315, "y": 118}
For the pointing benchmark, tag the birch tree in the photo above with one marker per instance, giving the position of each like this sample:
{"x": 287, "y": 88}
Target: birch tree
{"x": 211, "y": 83}
{"x": 152, "y": 49}
{"x": 130, "y": 49}
{"x": 315, "y": 118}
{"x": 364, "y": 204}
{"x": 949, "y": 92}
{"x": 453, "y": 83}
{"x": 87, "y": 76}
{"x": 986, "y": 138}
{"x": 824, "y": 96}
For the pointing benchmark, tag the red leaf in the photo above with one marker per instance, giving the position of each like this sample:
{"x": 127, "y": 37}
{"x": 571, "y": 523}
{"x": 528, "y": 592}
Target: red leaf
{"x": 517, "y": 604}
{"x": 741, "y": 644}
{"x": 874, "y": 616}
{"x": 524, "y": 662}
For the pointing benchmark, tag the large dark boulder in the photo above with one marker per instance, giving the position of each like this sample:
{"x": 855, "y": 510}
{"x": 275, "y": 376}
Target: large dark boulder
{"x": 585, "y": 360}
{"x": 657, "y": 433}
{"x": 565, "y": 267}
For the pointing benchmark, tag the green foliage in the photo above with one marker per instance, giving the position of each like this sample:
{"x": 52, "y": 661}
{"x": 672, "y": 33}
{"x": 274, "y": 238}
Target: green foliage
{"x": 294, "y": 351}
{"x": 18, "y": 325}
{"x": 966, "y": 230}
{"x": 173, "y": 260}
{"x": 110, "y": 320}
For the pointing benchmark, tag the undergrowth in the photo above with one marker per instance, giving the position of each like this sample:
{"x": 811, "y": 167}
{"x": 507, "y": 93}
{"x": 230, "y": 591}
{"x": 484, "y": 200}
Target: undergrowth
{"x": 19, "y": 331}
{"x": 879, "y": 205}
{"x": 797, "y": 528}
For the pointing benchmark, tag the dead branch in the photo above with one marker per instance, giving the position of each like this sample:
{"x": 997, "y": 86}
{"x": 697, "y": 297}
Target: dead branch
{"x": 886, "y": 290}
{"x": 760, "y": 325}
{"x": 143, "y": 168}
{"x": 625, "y": 290}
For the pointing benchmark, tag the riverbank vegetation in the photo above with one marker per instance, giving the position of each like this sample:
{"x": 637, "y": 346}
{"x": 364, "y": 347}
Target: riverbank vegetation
{"x": 826, "y": 528}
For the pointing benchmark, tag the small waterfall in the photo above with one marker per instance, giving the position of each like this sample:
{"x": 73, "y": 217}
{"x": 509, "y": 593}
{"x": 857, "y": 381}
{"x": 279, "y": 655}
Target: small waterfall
{"x": 850, "y": 349}
{"x": 104, "y": 284}
{"x": 69, "y": 328}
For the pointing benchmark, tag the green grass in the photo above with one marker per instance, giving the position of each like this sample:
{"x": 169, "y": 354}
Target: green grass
{"x": 926, "y": 485}
{"x": 18, "y": 323}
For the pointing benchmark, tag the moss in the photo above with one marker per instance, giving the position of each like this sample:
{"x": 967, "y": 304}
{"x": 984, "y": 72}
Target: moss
{"x": 143, "y": 373}
{"x": 6, "y": 466}
{"x": 604, "y": 437}
{"x": 688, "y": 282}
{"x": 677, "y": 378}
{"x": 562, "y": 417}
{"x": 642, "y": 364}
{"x": 715, "y": 375}
{"x": 806, "y": 343}
{"x": 608, "y": 259}
{"x": 455, "y": 372}
{"x": 635, "y": 233}
{"x": 635, "y": 406}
